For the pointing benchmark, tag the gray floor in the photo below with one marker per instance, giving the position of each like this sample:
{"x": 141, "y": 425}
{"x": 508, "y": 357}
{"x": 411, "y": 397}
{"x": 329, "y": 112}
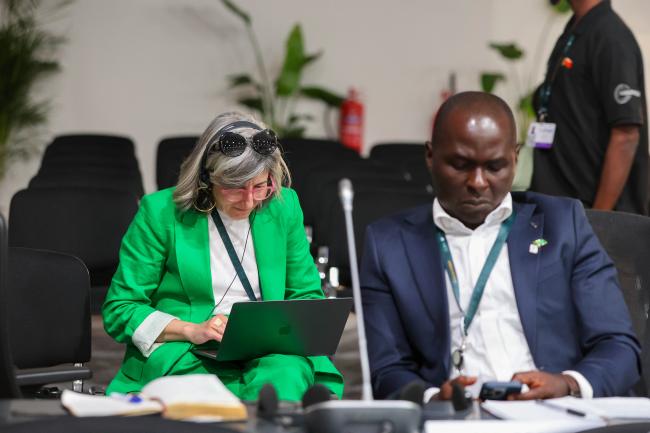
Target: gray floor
{"x": 107, "y": 356}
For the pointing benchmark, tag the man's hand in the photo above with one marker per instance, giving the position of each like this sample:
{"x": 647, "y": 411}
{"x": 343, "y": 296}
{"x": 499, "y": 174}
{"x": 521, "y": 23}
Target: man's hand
{"x": 543, "y": 385}
{"x": 446, "y": 389}
{"x": 212, "y": 329}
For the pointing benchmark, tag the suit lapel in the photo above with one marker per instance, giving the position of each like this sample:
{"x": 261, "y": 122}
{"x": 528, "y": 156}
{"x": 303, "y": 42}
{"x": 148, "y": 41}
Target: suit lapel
{"x": 424, "y": 259}
{"x": 524, "y": 267}
{"x": 193, "y": 256}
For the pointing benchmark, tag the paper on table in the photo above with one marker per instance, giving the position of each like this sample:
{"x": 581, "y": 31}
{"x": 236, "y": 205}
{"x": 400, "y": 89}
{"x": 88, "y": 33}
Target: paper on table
{"x": 95, "y": 405}
{"x": 498, "y": 426}
{"x": 608, "y": 407}
{"x": 530, "y": 410}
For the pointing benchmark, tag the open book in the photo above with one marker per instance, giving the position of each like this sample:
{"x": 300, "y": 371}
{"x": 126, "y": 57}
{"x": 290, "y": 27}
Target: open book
{"x": 192, "y": 396}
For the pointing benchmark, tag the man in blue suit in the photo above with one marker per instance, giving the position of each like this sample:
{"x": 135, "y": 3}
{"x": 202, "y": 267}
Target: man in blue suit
{"x": 486, "y": 284}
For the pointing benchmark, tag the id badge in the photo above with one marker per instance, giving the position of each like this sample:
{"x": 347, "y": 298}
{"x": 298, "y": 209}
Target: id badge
{"x": 541, "y": 135}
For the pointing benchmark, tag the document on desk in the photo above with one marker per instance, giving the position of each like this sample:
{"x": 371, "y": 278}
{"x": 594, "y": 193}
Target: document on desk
{"x": 608, "y": 407}
{"x": 508, "y": 426}
{"x": 535, "y": 410}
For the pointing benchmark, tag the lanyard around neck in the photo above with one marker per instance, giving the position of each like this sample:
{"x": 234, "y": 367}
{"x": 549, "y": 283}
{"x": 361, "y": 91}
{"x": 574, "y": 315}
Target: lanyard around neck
{"x": 479, "y": 288}
{"x": 545, "y": 93}
{"x": 233, "y": 255}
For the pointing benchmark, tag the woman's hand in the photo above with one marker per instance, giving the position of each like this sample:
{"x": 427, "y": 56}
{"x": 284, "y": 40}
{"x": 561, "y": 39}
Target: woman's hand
{"x": 211, "y": 329}
{"x": 197, "y": 333}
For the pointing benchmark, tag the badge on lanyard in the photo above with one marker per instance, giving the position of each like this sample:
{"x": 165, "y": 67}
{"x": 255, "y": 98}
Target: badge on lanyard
{"x": 541, "y": 135}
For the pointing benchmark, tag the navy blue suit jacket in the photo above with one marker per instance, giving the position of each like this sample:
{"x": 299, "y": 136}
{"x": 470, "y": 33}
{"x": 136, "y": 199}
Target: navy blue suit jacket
{"x": 569, "y": 301}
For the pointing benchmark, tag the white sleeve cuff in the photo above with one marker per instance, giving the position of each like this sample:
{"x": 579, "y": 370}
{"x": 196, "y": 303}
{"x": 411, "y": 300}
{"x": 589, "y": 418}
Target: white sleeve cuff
{"x": 145, "y": 335}
{"x": 586, "y": 391}
{"x": 429, "y": 393}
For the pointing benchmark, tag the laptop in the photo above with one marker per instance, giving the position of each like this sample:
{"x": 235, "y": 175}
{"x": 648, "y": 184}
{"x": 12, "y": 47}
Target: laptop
{"x": 305, "y": 327}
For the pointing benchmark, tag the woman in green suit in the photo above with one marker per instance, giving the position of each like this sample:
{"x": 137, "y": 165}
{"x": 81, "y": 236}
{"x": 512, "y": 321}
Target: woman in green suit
{"x": 176, "y": 282}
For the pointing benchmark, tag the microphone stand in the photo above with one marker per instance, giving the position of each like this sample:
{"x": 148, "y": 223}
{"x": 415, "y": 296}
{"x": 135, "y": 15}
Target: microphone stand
{"x": 367, "y": 415}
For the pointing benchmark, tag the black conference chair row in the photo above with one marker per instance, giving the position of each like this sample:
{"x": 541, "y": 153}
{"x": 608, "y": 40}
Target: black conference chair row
{"x": 99, "y": 161}
{"x": 88, "y": 223}
{"x": 45, "y": 331}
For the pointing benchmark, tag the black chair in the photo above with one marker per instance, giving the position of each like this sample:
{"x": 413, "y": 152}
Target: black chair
{"x": 8, "y": 386}
{"x": 172, "y": 151}
{"x": 625, "y": 238}
{"x": 104, "y": 161}
{"x": 312, "y": 189}
{"x": 304, "y": 156}
{"x": 370, "y": 204}
{"x": 396, "y": 152}
{"x": 49, "y": 318}
{"x": 88, "y": 223}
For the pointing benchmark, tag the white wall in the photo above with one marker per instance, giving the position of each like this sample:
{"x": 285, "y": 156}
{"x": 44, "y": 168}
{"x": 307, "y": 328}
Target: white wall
{"x": 151, "y": 68}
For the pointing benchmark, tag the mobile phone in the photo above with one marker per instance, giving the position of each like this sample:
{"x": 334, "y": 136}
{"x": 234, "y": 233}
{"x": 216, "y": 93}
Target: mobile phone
{"x": 499, "y": 390}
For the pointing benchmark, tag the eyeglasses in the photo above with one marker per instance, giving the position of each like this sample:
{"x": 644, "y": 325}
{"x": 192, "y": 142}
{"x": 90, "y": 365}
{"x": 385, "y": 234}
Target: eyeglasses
{"x": 262, "y": 192}
{"x": 232, "y": 144}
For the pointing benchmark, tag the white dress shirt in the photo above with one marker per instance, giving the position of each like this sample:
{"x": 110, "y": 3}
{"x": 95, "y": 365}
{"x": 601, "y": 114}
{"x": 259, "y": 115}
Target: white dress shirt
{"x": 496, "y": 345}
{"x": 222, "y": 272}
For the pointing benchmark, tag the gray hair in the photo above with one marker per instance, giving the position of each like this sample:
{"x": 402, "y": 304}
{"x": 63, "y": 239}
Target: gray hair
{"x": 227, "y": 171}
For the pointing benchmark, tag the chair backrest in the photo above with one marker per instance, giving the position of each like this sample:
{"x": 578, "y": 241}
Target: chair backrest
{"x": 396, "y": 152}
{"x": 86, "y": 222}
{"x": 73, "y": 144}
{"x": 171, "y": 153}
{"x": 49, "y": 299}
{"x": 104, "y": 161}
{"x": 8, "y": 387}
{"x": 625, "y": 238}
{"x": 370, "y": 204}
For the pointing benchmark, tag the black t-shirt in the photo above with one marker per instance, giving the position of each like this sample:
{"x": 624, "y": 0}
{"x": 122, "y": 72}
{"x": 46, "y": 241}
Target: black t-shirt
{"x": 603, "y": 88}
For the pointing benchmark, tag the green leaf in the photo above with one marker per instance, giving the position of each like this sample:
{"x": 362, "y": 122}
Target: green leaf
{"x": 241, "y": 80}
{"x": 562, "y": 7}
{"x": 232, "y": 7}
{"x": 490, "y": 79}
{"x": 509, "y": 51}
{"x": 295, "y": 118}
{"x": 321, "y": 94}
{"x": 252, "y": 103}
{"x": 526, "y": 105}
{"x": 294, "y": 60}
{"x": 311, "y": 58}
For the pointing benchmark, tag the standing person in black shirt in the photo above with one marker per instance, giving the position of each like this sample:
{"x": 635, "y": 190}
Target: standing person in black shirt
{"x": 594, "y": 93}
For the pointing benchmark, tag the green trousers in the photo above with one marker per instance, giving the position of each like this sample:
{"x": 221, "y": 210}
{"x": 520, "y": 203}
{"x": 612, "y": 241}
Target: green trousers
{"x": 291, "y": 375}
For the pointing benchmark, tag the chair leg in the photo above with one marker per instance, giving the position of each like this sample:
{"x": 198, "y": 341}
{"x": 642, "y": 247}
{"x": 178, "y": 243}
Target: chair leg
{"x": 78, "y": 385}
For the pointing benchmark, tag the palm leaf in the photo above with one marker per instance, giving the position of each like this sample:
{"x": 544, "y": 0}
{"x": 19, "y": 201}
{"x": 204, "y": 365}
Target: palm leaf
{"x": 321, "y": 94}
{"x": 289, "y": 78}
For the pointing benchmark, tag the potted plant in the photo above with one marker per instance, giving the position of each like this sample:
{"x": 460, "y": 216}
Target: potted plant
{"x": 26, "y": 58}
{"x": 275, "y": 99}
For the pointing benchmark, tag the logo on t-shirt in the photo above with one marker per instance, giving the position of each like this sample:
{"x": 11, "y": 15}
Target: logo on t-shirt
{"x": 623, "y": 93}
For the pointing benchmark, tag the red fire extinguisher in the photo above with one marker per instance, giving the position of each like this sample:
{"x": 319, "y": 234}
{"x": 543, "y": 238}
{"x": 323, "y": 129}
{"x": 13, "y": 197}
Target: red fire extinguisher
{"x": 351, "y": 122}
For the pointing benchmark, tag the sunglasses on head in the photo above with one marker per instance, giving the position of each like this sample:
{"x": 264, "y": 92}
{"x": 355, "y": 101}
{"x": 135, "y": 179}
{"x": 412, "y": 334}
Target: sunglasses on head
{"x": 232, "y": 144}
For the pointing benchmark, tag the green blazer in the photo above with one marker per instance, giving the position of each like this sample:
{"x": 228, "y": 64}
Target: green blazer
{"x": 165, "y": 266}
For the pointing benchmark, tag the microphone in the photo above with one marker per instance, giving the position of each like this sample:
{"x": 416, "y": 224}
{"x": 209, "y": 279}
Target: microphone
{"x": 267, "y": 402}
{"x": 413, "y": 391}
{"x": 317, "y": 393}
{"x": 459, "y": 397}
{"x": 335, "y": 416}
{"x": 346, "y": 194}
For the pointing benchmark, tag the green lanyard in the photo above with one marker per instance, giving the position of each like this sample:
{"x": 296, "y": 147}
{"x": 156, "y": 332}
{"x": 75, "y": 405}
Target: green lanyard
{"x": 233, "y": 255}
{"x": 477, "y": 293}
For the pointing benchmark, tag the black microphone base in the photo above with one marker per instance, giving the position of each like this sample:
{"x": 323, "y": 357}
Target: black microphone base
{"x": 385, "y": 416}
